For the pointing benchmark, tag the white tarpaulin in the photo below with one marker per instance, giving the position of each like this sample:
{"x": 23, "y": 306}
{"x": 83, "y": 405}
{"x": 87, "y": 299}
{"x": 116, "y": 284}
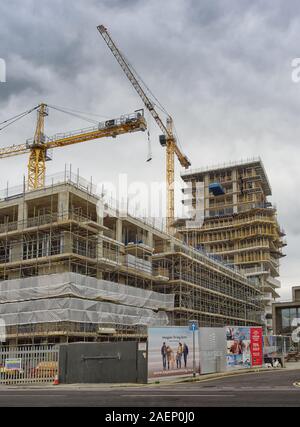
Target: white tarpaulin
{"x": 77, "y": 298}
{"x": 78, "y": 310}
{"x": 77, "y": 285}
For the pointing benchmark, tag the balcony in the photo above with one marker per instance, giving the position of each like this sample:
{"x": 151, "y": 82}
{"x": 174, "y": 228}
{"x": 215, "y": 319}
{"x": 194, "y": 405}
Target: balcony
{"x": 254, "y": 271}
{"x": 267, "y": 296}
{"x": 138, "y": 249}
{"x": 41, "y": 220}
{"x": 8, "y": 226}
{"x": 274, "y": 282}
{"x": 161, "y": 274}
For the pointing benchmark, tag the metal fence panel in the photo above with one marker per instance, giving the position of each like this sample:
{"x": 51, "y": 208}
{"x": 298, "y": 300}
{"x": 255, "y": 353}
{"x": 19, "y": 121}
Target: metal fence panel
{"x": 28, "y": 364}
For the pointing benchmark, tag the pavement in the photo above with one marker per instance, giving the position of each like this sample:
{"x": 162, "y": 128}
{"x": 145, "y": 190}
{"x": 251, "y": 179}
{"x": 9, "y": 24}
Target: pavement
{"x": 292, "y": 366}
{"x": 271, "y": 388}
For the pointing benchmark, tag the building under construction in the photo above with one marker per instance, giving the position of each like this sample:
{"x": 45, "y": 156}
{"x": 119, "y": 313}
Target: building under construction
{"x": 73, "y": 268}
{"x": 240, "y": 224}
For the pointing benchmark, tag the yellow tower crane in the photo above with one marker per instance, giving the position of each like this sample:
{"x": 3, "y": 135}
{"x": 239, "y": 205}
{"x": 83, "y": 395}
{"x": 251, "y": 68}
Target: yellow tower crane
{"x": 168, "y": 138}
{"x": 39, "y": 146}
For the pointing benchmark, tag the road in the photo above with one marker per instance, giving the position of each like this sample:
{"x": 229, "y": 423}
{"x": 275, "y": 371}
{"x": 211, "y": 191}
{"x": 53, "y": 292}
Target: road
{"x": 274, "y": 388}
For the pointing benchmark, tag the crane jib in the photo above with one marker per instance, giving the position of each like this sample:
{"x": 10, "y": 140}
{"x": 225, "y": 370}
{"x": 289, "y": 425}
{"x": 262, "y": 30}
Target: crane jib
{"x": 39, "y": 145}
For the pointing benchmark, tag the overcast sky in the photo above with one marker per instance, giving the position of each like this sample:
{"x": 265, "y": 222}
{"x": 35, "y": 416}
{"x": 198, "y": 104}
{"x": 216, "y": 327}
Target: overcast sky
{"x": 221, "y": 69}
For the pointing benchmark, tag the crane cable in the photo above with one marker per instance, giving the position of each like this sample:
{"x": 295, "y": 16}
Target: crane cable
{"x": 72, "y": 111}
{"x": 149, "y": 155}
{"x": 14, "y": 119}
{"x": 139, "y": 78}
{"x": 157, "y": 103}
{"x": 62, "y": 110}
{"x": 177, "y": 138}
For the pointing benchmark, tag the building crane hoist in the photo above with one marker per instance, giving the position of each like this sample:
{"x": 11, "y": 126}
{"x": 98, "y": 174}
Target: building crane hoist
{"x": 39, "y": 147}
{"x": 168, "y": 138}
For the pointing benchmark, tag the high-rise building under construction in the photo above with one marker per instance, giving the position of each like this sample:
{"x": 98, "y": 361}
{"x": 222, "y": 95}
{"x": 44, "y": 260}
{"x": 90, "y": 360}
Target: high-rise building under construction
{"x": 240, "y": 224}
{"x": 75, "y": 269}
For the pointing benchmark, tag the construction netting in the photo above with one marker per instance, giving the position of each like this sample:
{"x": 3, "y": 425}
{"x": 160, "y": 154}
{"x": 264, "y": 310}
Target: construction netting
{"x": 78, "y": 298}
{"x": 78, "y": 310}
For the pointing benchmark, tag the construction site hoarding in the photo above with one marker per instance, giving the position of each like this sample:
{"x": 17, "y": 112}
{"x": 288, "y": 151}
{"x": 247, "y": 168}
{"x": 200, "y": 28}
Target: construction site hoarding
{"x": 212, "y": 350}
{"x": 170, "y": 351}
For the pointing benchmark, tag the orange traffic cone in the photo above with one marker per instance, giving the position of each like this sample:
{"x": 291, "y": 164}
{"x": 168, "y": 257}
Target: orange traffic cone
{"x": 56, "y": 380}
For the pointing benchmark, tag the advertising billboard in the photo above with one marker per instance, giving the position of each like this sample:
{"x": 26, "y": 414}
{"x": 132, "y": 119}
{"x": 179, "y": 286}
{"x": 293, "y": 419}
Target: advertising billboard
{"x": 244, "y": 347}
{"x": 256, "y": 346}
{"x": 238, "y": 347}
{"x": 170, "y": 351}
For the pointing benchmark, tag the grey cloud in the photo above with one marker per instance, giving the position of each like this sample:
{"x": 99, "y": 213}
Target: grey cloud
{"x": 222, "y": 69}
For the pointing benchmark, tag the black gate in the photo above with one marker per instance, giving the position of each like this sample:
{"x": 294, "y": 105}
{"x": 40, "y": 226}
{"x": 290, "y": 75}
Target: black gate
{"x": 117, "y": 362}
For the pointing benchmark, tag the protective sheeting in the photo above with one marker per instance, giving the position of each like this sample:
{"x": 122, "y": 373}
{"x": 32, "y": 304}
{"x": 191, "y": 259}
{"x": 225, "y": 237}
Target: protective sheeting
{"x": 77, "y": 285}
{"x": 78, "y": 310}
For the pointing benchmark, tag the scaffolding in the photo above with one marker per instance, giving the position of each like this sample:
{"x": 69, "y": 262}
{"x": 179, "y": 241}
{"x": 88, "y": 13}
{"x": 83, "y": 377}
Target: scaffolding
{"x": 240, "y": 225}
{"x": 66, "y": 274}
{"x": 212, "y": 296}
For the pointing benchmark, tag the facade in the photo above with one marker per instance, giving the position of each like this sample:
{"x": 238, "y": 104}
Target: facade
{"x": 240, "y": 224}
{"x": 286, "y": 315}
{"x": 72, "y": 269}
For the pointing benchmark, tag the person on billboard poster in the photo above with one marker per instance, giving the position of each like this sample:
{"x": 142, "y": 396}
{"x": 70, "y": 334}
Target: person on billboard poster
{"x": 185, "y": 354}
{"x": 236, "y": 347}
{"x": 172, "y": 360}
{"x": 179, "y": 356}
{"x": 164, "y": 356}
{"x": 170, "y": 357}
{"x": 229, "y": 334}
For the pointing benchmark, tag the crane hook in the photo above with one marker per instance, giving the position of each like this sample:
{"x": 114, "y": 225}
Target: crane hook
{"x": 149, "y": 157}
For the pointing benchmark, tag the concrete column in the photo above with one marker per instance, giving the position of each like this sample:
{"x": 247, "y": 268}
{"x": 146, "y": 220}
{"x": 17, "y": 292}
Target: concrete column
{"x": 67, "y": 242}
{"x": 99, "y": 253}
{"x": 100, "y": 212}
{"x": 168, "y": 246}
{"x": 16, "y": 252}
{"x": 119, "y": 229}
{"x": 100, "y": 245}
{"x": 16, "y": 249}
{"x": 63, "y": 205}
{"x": 22, "y": 214}
{"x": 150, "y": 239}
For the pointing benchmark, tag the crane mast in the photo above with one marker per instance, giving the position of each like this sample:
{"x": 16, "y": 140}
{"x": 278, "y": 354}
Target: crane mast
{"x": 168, "y": 140}
{"x": 37, "y": 158}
